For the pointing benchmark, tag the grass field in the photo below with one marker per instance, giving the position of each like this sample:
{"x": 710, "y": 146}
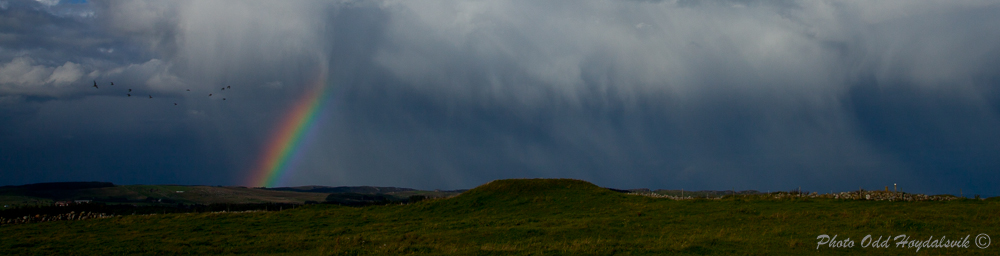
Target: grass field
{"x": 538, "y": 217}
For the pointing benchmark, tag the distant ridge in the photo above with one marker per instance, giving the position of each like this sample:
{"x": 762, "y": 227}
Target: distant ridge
{"x": 61, "y": 186}
{"x": 344, "y": 189}
{"x": 696, "y": 193}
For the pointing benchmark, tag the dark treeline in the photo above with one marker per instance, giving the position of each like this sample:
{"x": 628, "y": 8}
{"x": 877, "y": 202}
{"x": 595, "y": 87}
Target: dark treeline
{"x": 128, "y": 209}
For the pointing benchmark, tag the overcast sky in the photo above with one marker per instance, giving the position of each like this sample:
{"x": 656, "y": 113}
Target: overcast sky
{"x": 765, "y": 95}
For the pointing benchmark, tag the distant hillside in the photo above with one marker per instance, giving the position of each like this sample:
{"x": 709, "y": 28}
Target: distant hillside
{"x": 688, "y": 193}
{"x": 104, "y": 192}
{"x": 358, "y": 189}
{"x": 42, "y": 194}
{"x": 58, "y": 186}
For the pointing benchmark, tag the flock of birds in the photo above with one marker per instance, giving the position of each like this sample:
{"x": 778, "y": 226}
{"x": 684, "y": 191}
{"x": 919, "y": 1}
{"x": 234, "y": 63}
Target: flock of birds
{"x": 129, "y": 94}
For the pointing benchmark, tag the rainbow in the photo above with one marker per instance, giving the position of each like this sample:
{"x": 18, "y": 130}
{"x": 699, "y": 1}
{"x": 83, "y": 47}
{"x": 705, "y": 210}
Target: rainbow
{"x": 287, "y": 140}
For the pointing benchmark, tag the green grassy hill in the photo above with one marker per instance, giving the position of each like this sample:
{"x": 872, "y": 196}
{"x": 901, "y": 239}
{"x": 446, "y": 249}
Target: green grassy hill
{"x": 533, "y": 216}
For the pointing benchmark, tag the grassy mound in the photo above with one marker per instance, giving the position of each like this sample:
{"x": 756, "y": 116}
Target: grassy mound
{"x": 516, "y": 190}
{"x": 526, "y": 186}
{"x": 539, "y": 198}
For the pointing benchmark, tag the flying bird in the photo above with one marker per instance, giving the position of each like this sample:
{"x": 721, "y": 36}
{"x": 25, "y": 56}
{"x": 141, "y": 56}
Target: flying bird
{"x": 223, "y": 88}
{"x": 150, "y": 96}
{"x": 175, "y": 104}
{"x": 228, "y": 87}
{"x": 112, "y": 83}
{"x": 223, "y": 98}
{"x": 189, "y": 90}
{"x": 95, "y": 85}
{"x": 130, "y": 95}
{"x": 209, "y": 95}
{"x": 129, "y": 90}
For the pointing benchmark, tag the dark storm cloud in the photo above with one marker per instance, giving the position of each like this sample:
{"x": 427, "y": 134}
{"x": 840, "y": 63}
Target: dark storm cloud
{"x": 29, "y": 26}
{"x": 712, "y": 95}
{"x": 53, "y": 50}
{"x": 450, "y": 94}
